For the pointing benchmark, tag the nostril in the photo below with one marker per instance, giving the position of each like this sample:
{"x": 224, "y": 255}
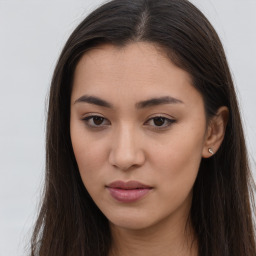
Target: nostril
{"x": 126, "y": 151}
{"x": 126, "y": 162}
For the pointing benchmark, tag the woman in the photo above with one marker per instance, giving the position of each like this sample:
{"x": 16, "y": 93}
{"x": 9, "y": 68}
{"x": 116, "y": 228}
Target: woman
{"x": 145, "y": 147}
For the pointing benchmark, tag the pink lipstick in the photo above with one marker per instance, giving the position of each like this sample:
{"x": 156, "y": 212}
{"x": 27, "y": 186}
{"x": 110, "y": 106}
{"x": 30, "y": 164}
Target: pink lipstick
{"x": 127, "y": 192}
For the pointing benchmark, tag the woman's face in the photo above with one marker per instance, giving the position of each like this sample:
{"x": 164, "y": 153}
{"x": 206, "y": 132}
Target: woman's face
{"x": 138, "y": 131}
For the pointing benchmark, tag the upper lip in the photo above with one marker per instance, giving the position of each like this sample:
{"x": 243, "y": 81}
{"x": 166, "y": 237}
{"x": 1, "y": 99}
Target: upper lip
{"x": 132, "y": 184}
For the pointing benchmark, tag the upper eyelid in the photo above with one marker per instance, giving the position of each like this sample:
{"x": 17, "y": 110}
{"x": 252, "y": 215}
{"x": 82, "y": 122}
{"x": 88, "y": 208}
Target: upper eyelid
{"x": 161, "y": 115}
{"x": 91, "y": 115}
{"x": 149, "y": 118}
{"x": 169, "y": 122}
{"x": 166, "y": 118}
{"x": 86, "y": 118}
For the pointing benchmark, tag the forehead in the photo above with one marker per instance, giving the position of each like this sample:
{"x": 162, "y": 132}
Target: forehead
{"x": 132, "y": 58}
{"x": 134, "y": 71}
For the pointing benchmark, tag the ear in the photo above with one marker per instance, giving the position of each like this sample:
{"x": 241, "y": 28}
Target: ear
{"x": 215, "y": 132}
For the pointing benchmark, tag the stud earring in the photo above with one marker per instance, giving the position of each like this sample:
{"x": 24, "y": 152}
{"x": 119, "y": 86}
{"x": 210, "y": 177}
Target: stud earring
{"x": 210, "y": 151}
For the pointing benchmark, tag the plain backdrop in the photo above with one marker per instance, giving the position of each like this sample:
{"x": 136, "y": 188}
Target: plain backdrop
{"x": 32, "y": 34}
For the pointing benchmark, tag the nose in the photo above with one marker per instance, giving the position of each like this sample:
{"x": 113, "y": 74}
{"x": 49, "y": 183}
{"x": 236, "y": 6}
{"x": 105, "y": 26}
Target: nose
{"x": 126, "y": 149}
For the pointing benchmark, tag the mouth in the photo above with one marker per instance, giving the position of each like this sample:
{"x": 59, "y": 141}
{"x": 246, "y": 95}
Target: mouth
{"x": 127, "y": 192}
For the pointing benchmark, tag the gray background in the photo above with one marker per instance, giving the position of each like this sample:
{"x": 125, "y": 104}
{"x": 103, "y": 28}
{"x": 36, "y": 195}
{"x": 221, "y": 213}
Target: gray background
{"x": 32, "y": 34}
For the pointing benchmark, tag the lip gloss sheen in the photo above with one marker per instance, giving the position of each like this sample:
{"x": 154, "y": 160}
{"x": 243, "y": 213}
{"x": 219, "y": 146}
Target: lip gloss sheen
{"x": 128, "y": 195}
{"x": 127, "y": 192}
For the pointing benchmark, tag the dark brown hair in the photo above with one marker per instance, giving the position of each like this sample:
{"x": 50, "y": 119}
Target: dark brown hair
{"x": 69, "y": 222}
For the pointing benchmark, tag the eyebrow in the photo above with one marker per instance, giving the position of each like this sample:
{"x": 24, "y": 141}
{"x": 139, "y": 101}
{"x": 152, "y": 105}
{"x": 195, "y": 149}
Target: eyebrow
{"x": 157, "y": 101}
{"x": 139, "y": 105}
{"x": 93, "y": 100}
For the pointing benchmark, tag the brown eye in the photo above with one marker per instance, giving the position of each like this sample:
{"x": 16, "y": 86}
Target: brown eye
{"x": 98, "y": 120}
{"x": 159, "y": 121}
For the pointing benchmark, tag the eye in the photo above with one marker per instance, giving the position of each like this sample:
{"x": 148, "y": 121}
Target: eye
{"x": 160, "y": 122}
{"x": 95, "y": 121}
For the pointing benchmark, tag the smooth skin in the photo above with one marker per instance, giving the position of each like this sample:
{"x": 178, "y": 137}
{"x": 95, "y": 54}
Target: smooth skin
{"x": 160, "y": 145}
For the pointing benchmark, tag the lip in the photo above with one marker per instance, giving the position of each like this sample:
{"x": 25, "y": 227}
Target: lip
{"x": 127, "y": 192}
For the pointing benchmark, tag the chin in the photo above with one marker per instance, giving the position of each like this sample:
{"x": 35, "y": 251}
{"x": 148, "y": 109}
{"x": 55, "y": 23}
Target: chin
{"x": 131, "y": 224}
{"x": 133, "y": 221}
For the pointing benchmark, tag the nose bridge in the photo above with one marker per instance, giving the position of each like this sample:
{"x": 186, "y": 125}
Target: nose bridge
{"x": 126, "y": 150}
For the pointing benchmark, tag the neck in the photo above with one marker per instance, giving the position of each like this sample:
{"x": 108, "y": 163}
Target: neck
{"x": 166, "y": 239}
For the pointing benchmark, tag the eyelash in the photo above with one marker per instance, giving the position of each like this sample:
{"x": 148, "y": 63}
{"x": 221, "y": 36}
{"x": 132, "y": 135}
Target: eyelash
{"x": 165, "y": 119}
{"x": 168, "y": 122}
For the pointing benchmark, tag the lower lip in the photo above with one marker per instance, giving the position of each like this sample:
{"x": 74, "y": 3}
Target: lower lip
{"x": 128, "y": 195}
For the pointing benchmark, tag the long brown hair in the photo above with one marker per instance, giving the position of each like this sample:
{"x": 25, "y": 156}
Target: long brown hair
{"x": 69, "y": 222}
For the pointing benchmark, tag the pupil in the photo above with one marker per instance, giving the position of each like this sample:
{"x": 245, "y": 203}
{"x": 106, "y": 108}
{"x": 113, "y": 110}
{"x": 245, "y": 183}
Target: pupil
{"x": 159, "y": 121}
{"x": 98, "y": 120}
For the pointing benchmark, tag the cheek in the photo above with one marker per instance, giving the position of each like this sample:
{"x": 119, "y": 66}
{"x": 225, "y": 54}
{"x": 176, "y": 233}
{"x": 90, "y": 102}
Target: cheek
{"x": 178, "y": 151}
{"x": 90, "y": 154}
{"x": 87, "y": 155}
{"x": 90, "y": 163}
{"x": 178, "y": 161}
